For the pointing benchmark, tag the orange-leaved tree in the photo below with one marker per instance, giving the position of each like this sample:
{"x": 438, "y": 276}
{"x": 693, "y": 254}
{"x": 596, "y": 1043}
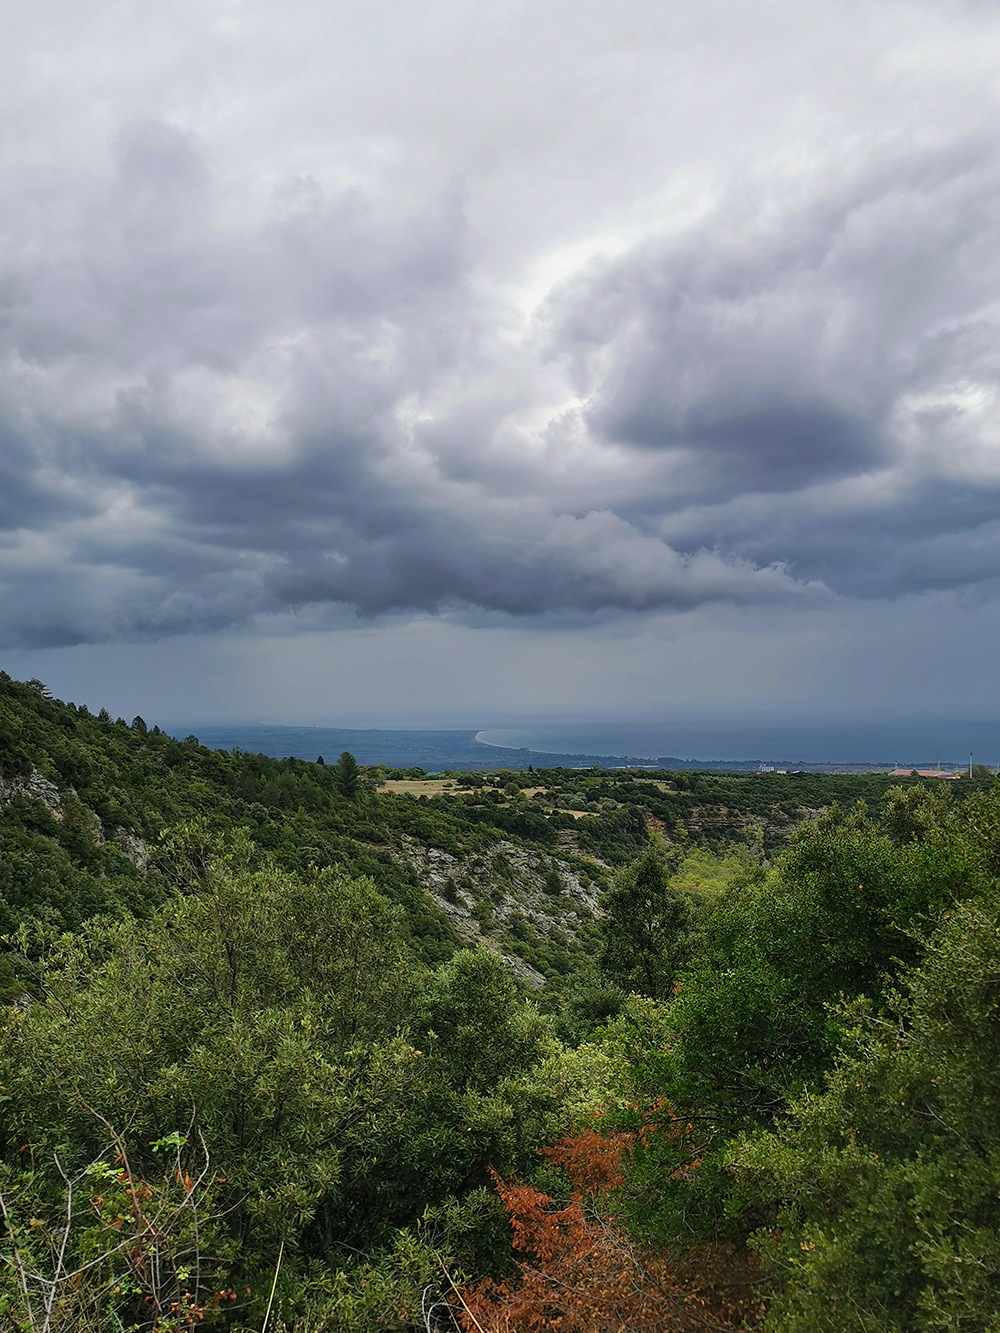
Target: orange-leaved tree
{"x": 581, "y": 1274}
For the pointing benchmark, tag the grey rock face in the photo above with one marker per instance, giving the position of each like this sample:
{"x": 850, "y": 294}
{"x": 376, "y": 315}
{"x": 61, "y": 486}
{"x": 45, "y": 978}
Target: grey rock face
{"x": 58, "y": 803}
{"x": 512, "y": 879}
{"x": 133, "y": 847}
{"x": 36, "y": 785}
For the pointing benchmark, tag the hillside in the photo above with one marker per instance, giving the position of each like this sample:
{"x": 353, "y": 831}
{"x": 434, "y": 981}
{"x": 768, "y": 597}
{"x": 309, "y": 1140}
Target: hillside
{"x": 514, "y": 859}
{"x": 731, "y": 1047}
{"x": 90, "y": 809}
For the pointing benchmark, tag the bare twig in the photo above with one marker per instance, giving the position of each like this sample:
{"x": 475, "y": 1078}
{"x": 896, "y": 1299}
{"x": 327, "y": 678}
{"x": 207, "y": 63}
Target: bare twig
{"x": 270, "y": 1302}
{"x": 459, "y": 1295}
{"x": 18, "y": 1261}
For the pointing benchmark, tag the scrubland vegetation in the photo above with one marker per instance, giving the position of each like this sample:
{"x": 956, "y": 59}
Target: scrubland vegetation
{"x": 267, "y": 1059}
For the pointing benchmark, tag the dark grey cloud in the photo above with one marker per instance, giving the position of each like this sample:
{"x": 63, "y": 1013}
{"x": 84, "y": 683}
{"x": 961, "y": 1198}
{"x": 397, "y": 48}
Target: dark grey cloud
{"x": 825, "y": 397}
{"x": 362, "y": 355}
{"x": 781, "y": 339}
{"x": 29, "y": 498}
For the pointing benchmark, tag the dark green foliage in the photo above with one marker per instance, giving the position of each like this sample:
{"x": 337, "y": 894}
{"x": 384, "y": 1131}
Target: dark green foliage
{"x": 475, "y": 1037}
{"x": 750, "y": 1028}
{"x": 646, "y": 927}
{"x": 587, "y": 1006}
{"x": 910, "y": 813}
{"x": 258, "y": 1014}
{"x": 339, "y": 1090}
{"x": 553, "y": 882}
{"x": 978, "y": 821}
{"x": 522, "y": 823}
{"x": 39, "y": 879}
{"x": 888, "y": 1182}
{"x": 616, "y": 837}
{"x": 210, "y": 968}
{"x": 347, "y": 776}
{"x": 474, "y": 1023}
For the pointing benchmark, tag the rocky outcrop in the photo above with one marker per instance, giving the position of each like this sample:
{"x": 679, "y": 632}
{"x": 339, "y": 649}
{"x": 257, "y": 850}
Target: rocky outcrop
{"x": 499, "y": 884}
{"x": 133, "y": 847}
{"x": 35, "y": 785}
{"x": 61, "y": 805}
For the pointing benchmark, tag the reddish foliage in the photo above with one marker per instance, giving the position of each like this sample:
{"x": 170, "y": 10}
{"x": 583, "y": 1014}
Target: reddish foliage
{"x": 592, "y": 1161}
{"x": 582, "y": 1274}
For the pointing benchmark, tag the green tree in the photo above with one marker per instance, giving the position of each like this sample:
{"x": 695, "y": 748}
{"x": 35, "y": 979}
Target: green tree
{"x": 751, "y": 1027}
{"x": 478, "y": 1042}
{"x": 281, "y": 1025}
{"x": 646, "y": 928}
{"x": 476, "y": 1023}
{"x": 909, "y": 813}
{"x": 260, "y": 1014}
{"x": 888, "y": 1182}
{"x": 346, "y": 775}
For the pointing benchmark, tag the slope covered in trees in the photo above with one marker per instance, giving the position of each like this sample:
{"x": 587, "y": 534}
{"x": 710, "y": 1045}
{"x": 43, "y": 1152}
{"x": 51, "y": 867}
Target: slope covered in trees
{"x": 250, "y": 1074}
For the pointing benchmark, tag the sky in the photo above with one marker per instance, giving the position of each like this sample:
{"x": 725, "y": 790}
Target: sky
{"x": 458, "y": 362}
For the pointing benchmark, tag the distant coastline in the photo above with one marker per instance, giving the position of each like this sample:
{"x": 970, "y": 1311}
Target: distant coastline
{"x": 437, "y": 749}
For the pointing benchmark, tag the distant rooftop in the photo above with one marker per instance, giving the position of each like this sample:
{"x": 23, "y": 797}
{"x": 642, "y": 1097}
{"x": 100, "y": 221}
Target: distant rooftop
{"x": 923, "y": 773}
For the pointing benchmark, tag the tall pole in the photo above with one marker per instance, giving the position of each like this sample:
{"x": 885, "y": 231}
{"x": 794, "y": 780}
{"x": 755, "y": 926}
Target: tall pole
{"x": 970, "y": 763}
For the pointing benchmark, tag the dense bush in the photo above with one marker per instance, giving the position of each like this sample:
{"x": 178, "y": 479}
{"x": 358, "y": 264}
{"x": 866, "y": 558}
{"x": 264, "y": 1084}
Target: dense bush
{"x": 888, "y": 1181}
{"x": 277, "y": 1032}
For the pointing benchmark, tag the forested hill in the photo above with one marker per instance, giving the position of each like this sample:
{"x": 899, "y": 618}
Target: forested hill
{"x": 315, "y": 1049}
{"x": 91, "y": 809}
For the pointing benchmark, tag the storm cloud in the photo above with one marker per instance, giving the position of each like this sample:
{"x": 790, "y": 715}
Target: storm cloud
{"x": 584, "y": 336}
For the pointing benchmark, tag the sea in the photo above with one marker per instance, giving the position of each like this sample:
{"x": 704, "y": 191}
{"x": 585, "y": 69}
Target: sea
{"x": 711, "y": 741}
